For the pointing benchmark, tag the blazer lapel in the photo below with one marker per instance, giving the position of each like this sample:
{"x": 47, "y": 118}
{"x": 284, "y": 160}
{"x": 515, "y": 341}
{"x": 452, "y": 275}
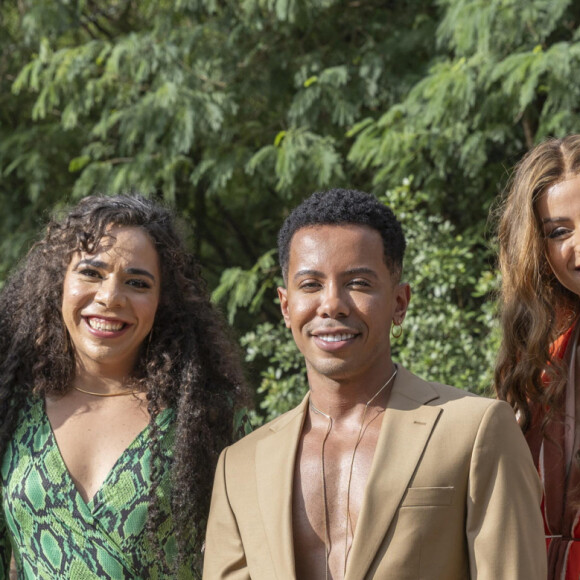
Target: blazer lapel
{"x": 405, "y": 431}
{"x": 275, "y": 458}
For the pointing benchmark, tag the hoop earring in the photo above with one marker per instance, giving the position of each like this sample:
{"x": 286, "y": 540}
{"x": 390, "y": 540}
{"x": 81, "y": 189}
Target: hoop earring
{"x": 148, "y": 344}
{"x": 400, "y": 327}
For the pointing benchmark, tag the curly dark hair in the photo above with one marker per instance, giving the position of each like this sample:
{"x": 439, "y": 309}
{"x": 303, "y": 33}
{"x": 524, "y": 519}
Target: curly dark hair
{"x": 191, "y": 364}
{"x": 342, "y": 207}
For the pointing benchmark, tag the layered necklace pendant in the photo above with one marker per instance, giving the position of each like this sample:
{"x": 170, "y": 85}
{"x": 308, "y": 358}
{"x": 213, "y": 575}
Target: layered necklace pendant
{"x": 348, "y": 527}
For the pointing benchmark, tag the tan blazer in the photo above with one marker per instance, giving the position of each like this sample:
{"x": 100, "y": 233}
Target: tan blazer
{"x": 452, "y": 494}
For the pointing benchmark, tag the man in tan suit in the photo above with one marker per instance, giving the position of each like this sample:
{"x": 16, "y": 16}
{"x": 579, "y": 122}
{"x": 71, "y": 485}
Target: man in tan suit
{"x": 377, "y": 473}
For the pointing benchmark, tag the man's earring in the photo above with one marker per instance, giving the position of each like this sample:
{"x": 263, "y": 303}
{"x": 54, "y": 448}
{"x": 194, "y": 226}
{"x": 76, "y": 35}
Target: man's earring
{"x": 399, "y": 332}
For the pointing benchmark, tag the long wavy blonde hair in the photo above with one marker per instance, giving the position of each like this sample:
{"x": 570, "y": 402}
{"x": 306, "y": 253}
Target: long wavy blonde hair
{"x": 535, "y": 307}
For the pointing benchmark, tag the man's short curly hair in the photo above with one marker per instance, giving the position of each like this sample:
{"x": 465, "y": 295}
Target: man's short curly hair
{"x": 342, "y": 207}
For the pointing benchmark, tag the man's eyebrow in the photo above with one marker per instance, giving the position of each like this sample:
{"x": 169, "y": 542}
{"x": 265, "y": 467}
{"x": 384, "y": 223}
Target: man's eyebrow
{"x": 349, "y": 272}
{"x": 307, "y": 272}
{"x": 361, "y": 270}
{"x": 103, "y": 266}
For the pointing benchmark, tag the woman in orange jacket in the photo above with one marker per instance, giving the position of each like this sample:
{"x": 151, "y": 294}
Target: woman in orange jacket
{"x": 538, "y": 368}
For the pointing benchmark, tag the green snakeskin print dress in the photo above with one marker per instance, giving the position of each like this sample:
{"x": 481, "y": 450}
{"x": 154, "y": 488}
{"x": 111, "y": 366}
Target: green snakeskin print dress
{"x": 54, "y": 534}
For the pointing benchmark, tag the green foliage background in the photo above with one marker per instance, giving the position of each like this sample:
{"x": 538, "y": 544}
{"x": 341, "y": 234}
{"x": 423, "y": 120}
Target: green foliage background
{"x": 234, "y": 111}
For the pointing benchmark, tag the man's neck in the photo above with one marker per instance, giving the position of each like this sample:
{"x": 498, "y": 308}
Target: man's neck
{"x": 341, "y": 399}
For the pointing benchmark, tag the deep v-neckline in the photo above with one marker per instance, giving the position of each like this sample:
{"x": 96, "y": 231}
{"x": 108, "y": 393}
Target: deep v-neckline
{"x": 90, "y": 503}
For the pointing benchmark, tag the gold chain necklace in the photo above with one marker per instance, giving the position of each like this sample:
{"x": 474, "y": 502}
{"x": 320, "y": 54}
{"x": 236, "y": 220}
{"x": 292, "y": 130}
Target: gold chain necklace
{"x": 361, "y": 431}
{"x": 121, "y": 394}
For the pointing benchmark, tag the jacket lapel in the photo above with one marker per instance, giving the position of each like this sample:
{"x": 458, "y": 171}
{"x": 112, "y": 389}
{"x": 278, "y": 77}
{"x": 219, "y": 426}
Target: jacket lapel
{"x": 275, "y": 458}
{"x": 405, "y": 431}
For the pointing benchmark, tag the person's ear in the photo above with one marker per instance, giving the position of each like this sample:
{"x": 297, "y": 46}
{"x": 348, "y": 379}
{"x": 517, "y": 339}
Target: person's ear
{"x": 402, "y": 299}
{"x": 283, "y": 296}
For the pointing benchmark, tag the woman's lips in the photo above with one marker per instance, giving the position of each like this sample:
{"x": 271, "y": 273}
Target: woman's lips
{"x": 105, "y": 327}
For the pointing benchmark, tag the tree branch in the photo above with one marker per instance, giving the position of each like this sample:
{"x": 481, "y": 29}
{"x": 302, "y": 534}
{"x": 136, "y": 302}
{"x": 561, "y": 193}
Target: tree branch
{"x": 528, "y": 131}
{"x": 244, "y": 242}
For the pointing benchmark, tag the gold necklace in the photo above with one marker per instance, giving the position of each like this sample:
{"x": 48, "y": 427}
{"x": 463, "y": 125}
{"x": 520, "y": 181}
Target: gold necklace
{"x": 121, "y": 394}
{"x": 361, "y": 432}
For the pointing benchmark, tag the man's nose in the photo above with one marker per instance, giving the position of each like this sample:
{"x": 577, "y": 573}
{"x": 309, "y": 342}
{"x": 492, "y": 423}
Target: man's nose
{"x": 333, "y": 302}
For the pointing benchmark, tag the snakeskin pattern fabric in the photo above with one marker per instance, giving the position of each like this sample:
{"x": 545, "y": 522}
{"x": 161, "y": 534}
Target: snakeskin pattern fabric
{"x": 54, "y": 533}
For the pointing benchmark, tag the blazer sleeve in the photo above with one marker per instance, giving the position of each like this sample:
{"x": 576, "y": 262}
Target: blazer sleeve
{"x": 505, "y": 531}
{"x": 224, "y": 550}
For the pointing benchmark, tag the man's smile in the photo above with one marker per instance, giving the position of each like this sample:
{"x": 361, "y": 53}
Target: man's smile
{"x": 335, "y": 337}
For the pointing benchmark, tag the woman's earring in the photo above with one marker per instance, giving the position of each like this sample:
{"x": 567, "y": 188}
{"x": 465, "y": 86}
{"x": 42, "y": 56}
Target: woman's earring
{"x": 148, "y": 344}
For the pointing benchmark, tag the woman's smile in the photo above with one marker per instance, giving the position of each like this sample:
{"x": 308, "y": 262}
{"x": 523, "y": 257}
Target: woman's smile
{"x": 110, "y": 299}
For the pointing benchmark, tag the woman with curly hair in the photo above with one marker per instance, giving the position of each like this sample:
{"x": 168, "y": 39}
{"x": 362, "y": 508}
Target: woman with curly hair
{"x": 117, "y": 391}
{"x": 538, "y": 369}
